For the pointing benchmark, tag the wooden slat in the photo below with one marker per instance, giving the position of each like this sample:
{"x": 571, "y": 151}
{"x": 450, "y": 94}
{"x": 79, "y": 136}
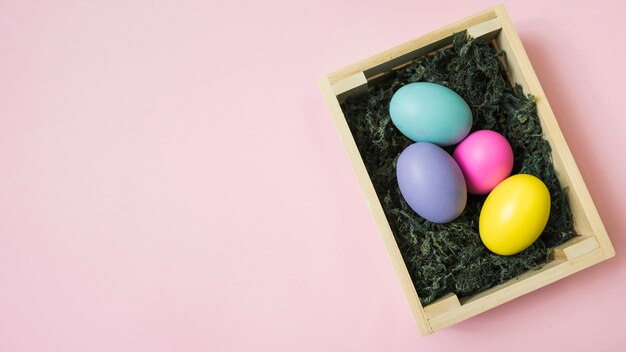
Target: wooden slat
{"x": 410, "y": 49}
{"x": 445, "y": 304}
{"x": 402, "y": 60}
{"x": 575, "y": 247}
{"x": 526, "y": 283}
{"x": 353, "y": 85}
{"x": 486, "y": 30}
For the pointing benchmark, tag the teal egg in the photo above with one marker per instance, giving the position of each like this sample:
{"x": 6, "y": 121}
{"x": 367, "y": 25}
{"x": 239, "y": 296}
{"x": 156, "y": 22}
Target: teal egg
{"x": 430, "y": 112}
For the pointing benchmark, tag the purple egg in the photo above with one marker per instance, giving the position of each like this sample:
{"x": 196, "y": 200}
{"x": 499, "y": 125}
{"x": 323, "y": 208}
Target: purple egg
{"x": 431, "y": 182}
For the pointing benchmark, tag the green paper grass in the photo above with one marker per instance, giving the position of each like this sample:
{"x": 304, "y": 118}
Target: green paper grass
{"x": 444, "y": 258}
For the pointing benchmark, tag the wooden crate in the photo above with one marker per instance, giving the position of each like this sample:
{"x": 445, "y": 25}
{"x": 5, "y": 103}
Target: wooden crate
{"x": 589, "y": 247}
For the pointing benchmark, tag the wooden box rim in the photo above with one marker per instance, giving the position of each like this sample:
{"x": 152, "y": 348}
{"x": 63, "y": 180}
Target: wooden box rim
{"x": 591, "y": 246}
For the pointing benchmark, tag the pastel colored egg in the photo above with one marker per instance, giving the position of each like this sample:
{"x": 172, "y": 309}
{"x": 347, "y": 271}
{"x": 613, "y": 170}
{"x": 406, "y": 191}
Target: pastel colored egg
{"x": 486, "y": 158}
{"x": 429, "y": 112}
{"x": 514, "y": 214}
{"x": 431, "y": 182}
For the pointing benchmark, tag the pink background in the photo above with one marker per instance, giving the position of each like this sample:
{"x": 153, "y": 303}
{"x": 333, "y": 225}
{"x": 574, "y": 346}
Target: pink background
{"x": 171, "y": 180}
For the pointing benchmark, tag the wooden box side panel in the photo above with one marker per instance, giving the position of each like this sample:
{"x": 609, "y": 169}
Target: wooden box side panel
{"x": 411, "y": 49}
{"x": 527, "y": 282}
{"x": 587, "y": 219}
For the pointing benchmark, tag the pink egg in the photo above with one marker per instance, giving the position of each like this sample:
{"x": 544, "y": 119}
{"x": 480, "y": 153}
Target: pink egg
{"x": 486, "y": 159}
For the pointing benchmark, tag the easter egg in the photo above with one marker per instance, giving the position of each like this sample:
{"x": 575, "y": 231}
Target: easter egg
{"x": 514, "y": 214}
{"x": 431, "y": 182}
{"x": 486, "y": 158}
{"x": 429, "y": 112}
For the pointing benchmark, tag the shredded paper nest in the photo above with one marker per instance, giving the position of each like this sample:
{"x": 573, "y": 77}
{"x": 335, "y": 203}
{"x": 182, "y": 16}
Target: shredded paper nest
{"x": 444, "y": 258}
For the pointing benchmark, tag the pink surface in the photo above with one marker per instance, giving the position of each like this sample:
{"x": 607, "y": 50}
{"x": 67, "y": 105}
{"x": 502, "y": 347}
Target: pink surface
{"x": 171, "y": 179}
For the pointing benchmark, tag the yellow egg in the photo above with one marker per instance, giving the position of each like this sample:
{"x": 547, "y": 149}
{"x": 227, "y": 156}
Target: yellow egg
{"x": 514, "y": 214}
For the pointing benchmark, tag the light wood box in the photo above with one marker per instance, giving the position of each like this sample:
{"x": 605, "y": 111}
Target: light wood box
{"x": 591, "y": 246}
